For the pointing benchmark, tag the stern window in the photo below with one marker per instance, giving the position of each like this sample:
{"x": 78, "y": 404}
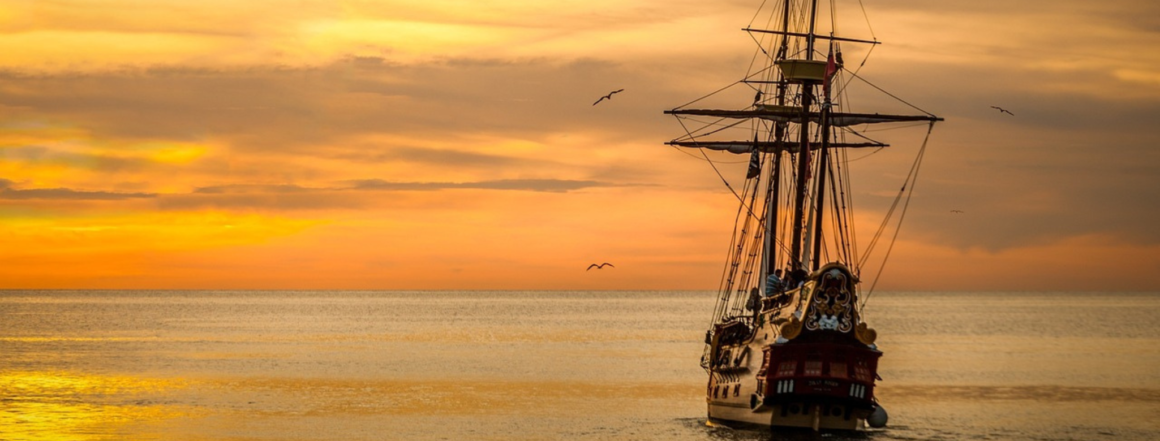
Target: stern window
{"x": 861, "y": 371}
{"x": 786, "y": 368}
{"x": 813, "y": 367}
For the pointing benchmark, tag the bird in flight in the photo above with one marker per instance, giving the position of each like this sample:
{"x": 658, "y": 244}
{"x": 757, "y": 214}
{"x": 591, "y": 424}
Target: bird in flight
{"x": 607, "y": 97}
{"x": 956, "y": 211}
{"x": 600, "y": 266}
{"x": 1002, "y": 110}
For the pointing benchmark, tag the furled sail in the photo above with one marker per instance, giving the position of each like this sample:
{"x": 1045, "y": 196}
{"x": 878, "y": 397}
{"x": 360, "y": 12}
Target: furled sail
{"x": 794, "y": 114}
{"x": 742, "y": 147}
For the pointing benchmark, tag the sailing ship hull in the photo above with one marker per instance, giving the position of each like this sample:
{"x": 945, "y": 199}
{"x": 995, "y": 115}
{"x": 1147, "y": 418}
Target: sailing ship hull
{"x": 802, "y": 360}
{"x": 781, "y": 416}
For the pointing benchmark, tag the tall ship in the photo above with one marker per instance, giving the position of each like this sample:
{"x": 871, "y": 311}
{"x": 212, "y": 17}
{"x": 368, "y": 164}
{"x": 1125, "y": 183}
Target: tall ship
{"x": 788, "y": 344}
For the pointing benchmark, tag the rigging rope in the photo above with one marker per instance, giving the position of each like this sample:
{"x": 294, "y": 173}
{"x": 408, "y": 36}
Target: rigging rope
{"x": 758, "y": 12}
{"x": 885, "y": 221}
{"x": 859, "y": 69}
{"x": 833, "y": 19}
{"x": 742, "y": 249}
{"x": 715, "y": 123}
{"x": 723, "y": 88}
{"x": 838, "y": 202}
{"x": 714, "y": 166}
{"x": 848, "y": 208}
{"x": 913, "y": 181}
{"x": 867, "y": 16}
{"x": 891, "y": 94}
{"x": 719, "y": 308}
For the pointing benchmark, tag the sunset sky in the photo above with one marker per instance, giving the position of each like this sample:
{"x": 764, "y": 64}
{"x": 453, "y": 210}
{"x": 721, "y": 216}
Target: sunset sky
{"x": 453, "y": 144}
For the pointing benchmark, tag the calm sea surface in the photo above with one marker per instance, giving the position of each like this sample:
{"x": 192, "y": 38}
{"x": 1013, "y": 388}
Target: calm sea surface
{"x": 318, "y": 365}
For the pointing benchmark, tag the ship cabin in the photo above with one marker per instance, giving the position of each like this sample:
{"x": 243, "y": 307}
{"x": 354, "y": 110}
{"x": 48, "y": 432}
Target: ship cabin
{"x": 823, "y": 371}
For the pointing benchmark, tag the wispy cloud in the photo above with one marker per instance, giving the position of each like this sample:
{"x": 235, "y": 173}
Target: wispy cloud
{"x": 65, "y": 194}
{"x": 350, "y": 194}
{"x": 551, "y": 185}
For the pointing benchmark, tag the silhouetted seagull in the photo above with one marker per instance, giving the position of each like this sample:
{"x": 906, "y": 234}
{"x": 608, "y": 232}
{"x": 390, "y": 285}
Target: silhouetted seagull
{"x": 1002, "y": 110}
{"x": 601, "y": 266}
{"x": 956, "y": 211}
{"x": 607, "y": 97}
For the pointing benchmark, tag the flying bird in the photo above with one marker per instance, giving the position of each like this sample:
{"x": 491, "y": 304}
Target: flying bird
{"x": 607, "y": 97}
{"x": 956, "y": 211}
{"x": 1002, "y": 110}
{"x": 600, "y": 266}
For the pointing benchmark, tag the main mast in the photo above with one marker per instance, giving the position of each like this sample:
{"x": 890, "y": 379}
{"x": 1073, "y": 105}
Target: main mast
{"x": 803, "y": 162}
{"x": 773, "y": 198}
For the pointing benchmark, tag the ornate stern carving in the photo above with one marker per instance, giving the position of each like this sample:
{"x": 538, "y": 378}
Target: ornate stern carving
{"x": 865, "y": 334}
{"x": 833, "y": 303}
{"x": 791, "y": 329}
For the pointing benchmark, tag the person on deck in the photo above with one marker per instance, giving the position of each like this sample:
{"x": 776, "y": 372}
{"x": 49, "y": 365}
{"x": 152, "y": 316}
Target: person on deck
{"x": 789, "y": 282}
{"x": 799, "y": 277}
{"x": 754, "y": 302}
{"x": 773, "y": 284}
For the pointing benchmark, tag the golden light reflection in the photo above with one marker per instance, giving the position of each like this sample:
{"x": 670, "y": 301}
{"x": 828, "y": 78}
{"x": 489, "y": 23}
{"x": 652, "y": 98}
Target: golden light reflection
{"x": 283, "y": 396}
{"x": 71, "y": 406}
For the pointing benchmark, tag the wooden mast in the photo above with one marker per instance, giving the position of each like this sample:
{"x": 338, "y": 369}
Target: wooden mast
{"x": 774, "y": 196}
{"x": 804, "y": 154}
{"x": 823, "y": 158}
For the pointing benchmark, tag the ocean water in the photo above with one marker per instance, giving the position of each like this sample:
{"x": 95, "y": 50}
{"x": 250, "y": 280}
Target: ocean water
{"x": 317, "y": 365}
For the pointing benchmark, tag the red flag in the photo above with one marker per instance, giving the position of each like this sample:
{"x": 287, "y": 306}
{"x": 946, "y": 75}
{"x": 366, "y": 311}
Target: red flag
{"x": 831, "y": 69}
{"x": 805, "y": 155}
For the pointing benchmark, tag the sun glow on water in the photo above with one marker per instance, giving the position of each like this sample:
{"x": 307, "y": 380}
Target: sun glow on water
{"x": 42, "y": 406}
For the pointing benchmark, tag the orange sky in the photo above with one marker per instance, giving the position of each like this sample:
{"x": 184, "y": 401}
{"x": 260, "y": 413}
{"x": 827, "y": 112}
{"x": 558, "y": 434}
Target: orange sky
{"x": 453, "y": 145}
